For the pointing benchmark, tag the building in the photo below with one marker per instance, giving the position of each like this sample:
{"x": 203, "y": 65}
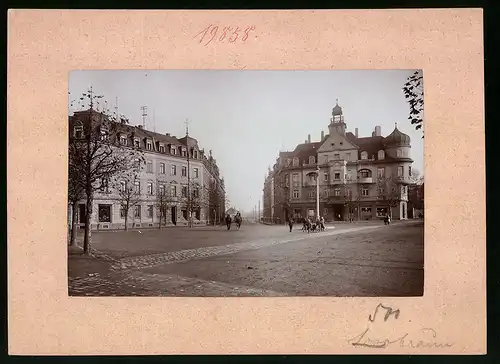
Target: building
{"x": 360, "y": 178}
{"x": 166, "y": 173}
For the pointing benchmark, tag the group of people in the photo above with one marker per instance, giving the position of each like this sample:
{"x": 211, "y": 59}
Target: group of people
{"x": 237, "y": 220}
{"x": 309, "y": 224}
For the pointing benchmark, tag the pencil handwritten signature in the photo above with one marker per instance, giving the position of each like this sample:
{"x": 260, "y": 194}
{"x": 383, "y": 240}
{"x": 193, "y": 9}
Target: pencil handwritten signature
{"x": 423, "y": 338}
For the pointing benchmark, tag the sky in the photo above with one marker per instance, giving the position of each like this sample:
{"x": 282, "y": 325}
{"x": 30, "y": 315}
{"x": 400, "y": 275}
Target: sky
{"x": 246, "y": 117}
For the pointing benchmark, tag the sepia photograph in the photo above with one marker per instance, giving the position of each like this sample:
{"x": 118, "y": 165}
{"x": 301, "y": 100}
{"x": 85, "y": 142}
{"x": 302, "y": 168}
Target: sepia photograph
{"x": 244, "y": 183}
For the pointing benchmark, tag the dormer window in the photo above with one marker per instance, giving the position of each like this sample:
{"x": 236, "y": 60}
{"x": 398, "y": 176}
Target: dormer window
{"x": 288, "y": 162}
{"x": 137, "y": 143}
{"x": 381, "y": 154}
{"x": 78, "y": 130}
{"x": 312, "y": 160}
{"x": 173, "y": 151}
{"x": 295, "y": 162}
{"x": 183, "y": 151}
{"x": 162, "y": 148}
{"x": 336, "y": 118}
{"x": 149, "y": 145}
{"x": 195, "y": 154}
{"x": 123, "y": 140}
{"x": 399, "y": 153}
{"x": 104, "y": 134}
{"x": 364, "y": 155}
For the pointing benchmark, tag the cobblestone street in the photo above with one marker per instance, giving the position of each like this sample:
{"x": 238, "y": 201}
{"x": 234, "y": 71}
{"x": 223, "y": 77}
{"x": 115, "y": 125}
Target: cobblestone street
{"x": 361, "y": 259}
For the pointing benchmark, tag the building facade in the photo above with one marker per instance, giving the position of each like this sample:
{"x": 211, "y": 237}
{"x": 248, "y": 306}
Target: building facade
{"x": 359, "y": 178}
{"x": 165, "y": 173}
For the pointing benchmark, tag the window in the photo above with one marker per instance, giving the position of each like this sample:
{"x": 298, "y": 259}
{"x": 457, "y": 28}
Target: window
{"x": 137, "y": 212}
{"x": 364, "y": 173}
{"x": 195, "y": 171}
{"x": 104, "y": 213}
{"x": 364, "y": 191}
{"x": 409, "y": 171}
{"x": 348, "y": 193}
{"x": 137, "y": 187}
{"x": 348, "y": 156}
{"x": 137, "y": 143}
{"x": 312, "y": 177}
{"x": 183, "y": 171}
{"x": 312, "y": 195}
{"x": 336, "y": 175}
{"x": 325, "y": 211}
{"x": 326, "y": 193}
{"x": 195, "y": 154}
{"x": 162, "y": 168}
{"x": 325, "y": 159}
{"x": 104, "y": 187}
{"x": 150, "y": 188}
{"x": 104, "y": 134}
{"x": 78, "y": 130}
{"x": 364, "y": 155}
{"x": 381, "y": 154}
{"x": 295, "y": 178}
{"x": 399, "y": 153}
{"x": 381, "y": 191}
{"x": 150, "y": 211}
{"x": 183, "y": 152}
{"x": 400, "y": 171}
{"x": 295, "y": 194}
{"x": 336, "y": 156}
{"x": 173, "y": 191}
{"x": 312, "y": 160}
{"x": 196, "y": 193}
{"x": 161, "y": 189}
{"x": 123, "y": 140}
{"x": 381, "y": 211}
{"x": 173, "y": 170}
{"x": 162, "y": 148}
{"x": 123, "y": 186}
{"x": 149, "y": 167}
{"x": 149, "y": 145}
{"x": 173, "y": 151}
{"x": 337, "y": 192}
{"x": 184, "y": 191}
{"x": 288, "y": 162}
{"x": 122, "y": 212}
{"x": 381, "y": 172}
{"x": 325, "y": 176}
{"x": 295, "y": 162}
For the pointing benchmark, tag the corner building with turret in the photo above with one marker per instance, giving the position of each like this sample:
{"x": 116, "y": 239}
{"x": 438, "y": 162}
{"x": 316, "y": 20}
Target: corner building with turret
{"x": 351, "y": 171}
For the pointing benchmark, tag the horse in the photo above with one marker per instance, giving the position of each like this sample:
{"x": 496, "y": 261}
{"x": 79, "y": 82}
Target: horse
{"x": 237, "y": 220}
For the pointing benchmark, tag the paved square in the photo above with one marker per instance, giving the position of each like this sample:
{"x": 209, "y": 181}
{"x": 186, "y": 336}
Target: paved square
{"x": 360, "y": 259}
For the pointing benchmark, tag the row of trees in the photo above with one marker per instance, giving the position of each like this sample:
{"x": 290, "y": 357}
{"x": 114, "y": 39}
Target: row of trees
{"x": 98, "y": 163}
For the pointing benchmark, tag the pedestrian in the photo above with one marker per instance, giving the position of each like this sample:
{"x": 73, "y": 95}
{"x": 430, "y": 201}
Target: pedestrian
{"x": 322, "y": 222}
{"x": 290, "y": 223}
{"x": 228, "y": 221}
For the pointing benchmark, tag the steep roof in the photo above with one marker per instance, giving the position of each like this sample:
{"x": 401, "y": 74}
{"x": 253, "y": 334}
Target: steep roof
{"x": 304, "y": 151}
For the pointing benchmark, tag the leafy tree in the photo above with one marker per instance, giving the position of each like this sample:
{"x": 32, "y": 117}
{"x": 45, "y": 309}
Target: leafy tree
{"x": 414, "y": 93}
{"x": 94, "y": 158}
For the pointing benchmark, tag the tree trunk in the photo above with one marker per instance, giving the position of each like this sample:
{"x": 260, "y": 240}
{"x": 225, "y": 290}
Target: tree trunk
{"x": 126, "y": 220}
{"x": 161, "y": 215}
{"x": 73, "y": 224}
{"x": 87, "y": 239}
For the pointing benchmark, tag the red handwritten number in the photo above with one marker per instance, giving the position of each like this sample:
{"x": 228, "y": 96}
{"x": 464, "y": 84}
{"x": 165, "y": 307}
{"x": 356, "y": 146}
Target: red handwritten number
{"x": 213, "y": 33}
{"x": 236, "y": 34}
{"x": 204, "y": 32}
{"x": 224, "y": 33}
{"x": 245, "y": 37}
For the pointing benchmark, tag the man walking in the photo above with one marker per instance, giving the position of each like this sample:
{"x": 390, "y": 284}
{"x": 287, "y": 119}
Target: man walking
{"x": 228, "y": 221}
{"x": 290, "y": 223}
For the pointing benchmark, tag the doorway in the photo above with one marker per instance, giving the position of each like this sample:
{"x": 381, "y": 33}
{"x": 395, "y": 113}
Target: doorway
{"x": 173, "y": 213}
{"x": 81, "y": 213}
{"x": 338, "y": 211}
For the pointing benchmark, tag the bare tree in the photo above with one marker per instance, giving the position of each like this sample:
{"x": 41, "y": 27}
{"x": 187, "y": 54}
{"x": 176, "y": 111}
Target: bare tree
{"x": 94, "y": 157}
{"x": 414, "y": 93}
{"x": 389, "y": 191}
{"x": 126, "y": 185}
{"x": 415, "y": 177}
{"x": 163, "y": 201}
{"x": 75, "y": 194}
{"x": 194, "y": 199}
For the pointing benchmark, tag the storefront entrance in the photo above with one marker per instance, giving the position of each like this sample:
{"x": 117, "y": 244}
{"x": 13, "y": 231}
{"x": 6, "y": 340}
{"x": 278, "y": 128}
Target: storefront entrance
{"x": 173, "y": 214}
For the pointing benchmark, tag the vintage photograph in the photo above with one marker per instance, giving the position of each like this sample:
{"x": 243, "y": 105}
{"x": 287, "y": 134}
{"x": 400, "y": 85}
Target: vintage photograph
{"x": 218, "y": 183}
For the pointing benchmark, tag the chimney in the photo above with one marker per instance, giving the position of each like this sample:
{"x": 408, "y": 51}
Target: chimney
{"x": 139, "y": 126}
{"x": 356, "y": 132}
{"x": 305, "y": 141}
{"x": 167, "y": 134}
{"x": 309, "y": 138}
{"x": 322, "y": 135}
{"x": 373, "y": 133}
{"x": 378, "y": 131}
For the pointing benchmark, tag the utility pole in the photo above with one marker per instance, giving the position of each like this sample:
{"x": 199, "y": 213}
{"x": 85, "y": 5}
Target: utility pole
{"x": 144, "y": 110}
{"x": 317, "y": 193}
{"x": 188, "y": 175}
{"x": 258, "y": 214}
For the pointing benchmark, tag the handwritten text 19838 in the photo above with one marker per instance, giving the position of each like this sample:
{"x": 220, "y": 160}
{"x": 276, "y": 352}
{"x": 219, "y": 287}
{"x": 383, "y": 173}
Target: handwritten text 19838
{"x": 231, "y": 34}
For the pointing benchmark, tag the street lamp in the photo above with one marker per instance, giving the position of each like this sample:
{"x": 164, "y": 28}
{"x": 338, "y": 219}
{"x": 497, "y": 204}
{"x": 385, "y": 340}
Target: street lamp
{"x": 317, "y": 192}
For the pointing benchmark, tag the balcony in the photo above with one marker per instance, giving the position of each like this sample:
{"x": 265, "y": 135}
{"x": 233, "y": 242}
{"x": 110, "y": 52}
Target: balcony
{"x": 365, "y": 179}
